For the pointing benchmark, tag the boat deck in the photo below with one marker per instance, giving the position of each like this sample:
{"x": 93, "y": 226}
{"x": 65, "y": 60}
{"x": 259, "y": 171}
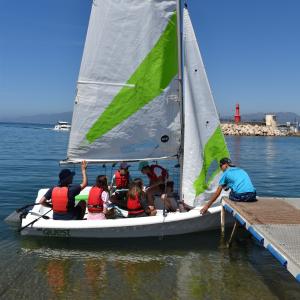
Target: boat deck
{"x": 275, "y": 224}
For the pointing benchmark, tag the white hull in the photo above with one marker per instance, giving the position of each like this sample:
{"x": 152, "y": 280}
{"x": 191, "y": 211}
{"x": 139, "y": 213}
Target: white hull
{"x": 62, "y": 126}
{"x": 173, "y": 224}
{"x": 59, "y": 128}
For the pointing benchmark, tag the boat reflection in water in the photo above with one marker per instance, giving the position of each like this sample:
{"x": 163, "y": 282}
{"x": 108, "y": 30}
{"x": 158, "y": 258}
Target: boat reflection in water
{"x": 196, "y": 266}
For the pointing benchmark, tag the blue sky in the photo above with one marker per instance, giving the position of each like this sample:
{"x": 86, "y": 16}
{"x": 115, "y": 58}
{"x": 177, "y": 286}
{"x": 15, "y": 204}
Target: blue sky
{"x": 251, "y": 50}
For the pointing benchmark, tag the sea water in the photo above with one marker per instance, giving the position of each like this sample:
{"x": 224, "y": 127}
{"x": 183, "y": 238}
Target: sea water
{"x": 196, "y": 266}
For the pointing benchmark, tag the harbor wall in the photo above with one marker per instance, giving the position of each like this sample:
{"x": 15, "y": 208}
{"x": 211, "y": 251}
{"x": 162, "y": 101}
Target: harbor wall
{"x": 251, "y": 130}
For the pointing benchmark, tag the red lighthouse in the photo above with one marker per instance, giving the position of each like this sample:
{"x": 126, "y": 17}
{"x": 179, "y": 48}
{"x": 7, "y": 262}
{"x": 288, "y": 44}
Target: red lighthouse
{"x": 237, "y": 117}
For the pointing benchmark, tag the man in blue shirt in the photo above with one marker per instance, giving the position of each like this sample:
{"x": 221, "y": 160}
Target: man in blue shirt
{"x": 235, "y": 179}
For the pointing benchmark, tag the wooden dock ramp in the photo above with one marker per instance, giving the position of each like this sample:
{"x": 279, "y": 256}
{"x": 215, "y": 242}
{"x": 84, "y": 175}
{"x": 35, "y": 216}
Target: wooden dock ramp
{"x": 274, "y": 223}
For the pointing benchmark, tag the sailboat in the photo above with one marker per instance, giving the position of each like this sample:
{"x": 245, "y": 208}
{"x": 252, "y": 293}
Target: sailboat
{"x": 143, "y": 94}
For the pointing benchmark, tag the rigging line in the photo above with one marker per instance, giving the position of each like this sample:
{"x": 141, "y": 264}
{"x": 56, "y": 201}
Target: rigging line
{"x": 106, "y": 83}
{"x": 180, "y": 87}
{"x": 104, "y": 167}
{"x": 111, "y": 171}
{"x": 165, "y": 198}
{"x": 163, "y": 221}
{"x": 153, "y": 150}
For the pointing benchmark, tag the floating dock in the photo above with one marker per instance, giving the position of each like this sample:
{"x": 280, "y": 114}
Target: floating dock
{"x": 274, "y": 223}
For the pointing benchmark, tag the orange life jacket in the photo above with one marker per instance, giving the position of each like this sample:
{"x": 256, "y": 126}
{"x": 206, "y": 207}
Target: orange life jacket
{"x": 60, "y": 199}
{"x": 122, "y": 181}
{"x": 153, "y": 177}
{"x": 95, "y": 202}
{"x": 134, "y": 206}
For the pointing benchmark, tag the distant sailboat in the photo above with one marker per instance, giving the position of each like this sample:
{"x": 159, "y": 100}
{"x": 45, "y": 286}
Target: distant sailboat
{"x": 135, "y": 102}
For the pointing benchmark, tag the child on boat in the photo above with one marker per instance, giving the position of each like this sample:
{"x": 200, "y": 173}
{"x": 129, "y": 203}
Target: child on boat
{"x": 98, "y": 199}
{"x": 158, "y": 180}
{"x": 136, "y": 201}
{"x": 121, "y": 179}
{"x": 120, "y": 184}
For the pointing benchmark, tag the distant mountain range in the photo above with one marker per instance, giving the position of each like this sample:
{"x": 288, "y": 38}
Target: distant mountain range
{"x": 282, "y": 118}
{"x": 40, "y": 119}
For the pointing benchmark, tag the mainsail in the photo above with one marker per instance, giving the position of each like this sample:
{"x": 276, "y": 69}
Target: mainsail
{"x": 127, "y": 105}
{"x": 204, "y": 143}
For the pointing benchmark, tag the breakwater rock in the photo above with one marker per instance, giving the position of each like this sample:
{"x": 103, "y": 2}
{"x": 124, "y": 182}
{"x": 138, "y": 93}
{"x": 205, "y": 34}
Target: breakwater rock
{"x": 249, "y": 129}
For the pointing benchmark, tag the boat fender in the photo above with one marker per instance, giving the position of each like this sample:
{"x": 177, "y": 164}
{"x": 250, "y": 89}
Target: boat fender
{"x": 277, "y": 255}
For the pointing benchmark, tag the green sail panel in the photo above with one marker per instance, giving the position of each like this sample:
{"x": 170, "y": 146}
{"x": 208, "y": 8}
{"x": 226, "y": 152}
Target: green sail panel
{"x": 214, "y": 150}
{"x": 151, "y": 77}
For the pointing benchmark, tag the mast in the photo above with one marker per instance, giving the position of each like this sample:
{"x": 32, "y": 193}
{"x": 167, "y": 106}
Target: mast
{"x": 180, "y": 90}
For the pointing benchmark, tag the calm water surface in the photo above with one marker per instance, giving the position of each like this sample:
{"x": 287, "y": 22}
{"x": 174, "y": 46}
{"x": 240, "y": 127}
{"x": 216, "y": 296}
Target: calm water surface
{"x": 192, "y": 267}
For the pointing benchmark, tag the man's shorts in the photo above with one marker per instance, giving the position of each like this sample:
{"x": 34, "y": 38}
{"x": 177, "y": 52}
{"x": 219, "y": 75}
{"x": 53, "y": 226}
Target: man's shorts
{"x": 242, "y": 197}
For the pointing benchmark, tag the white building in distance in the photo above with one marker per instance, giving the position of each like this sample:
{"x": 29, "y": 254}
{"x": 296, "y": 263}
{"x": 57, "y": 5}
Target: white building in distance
{"x": 271, "y": 121}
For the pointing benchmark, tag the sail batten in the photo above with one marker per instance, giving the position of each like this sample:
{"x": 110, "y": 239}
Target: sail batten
{"x": 106, "y": 83}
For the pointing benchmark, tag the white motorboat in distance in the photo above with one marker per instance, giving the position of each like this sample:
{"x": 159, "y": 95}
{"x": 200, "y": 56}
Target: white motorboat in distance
{"x": 62, "y": 126}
